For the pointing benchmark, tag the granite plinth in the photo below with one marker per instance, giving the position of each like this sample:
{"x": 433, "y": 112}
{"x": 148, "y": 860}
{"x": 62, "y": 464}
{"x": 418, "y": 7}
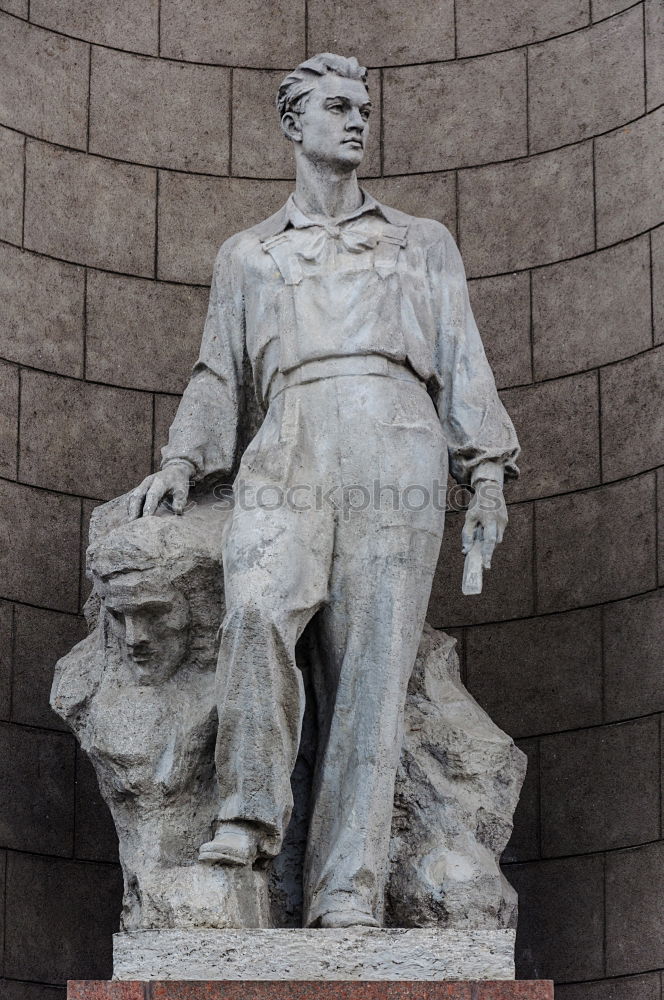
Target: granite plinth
{"x": 351, "y": 954}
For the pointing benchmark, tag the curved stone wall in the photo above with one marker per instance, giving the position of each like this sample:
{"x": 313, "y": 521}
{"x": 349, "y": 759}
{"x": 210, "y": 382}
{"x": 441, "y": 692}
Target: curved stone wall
{"x": 135, "y": 136}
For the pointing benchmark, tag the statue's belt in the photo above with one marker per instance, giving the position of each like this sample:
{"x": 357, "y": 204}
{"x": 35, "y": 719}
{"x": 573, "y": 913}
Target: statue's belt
{"x": 361, "y": 364}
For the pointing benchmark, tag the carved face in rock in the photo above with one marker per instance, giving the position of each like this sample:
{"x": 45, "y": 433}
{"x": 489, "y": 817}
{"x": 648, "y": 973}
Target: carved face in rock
{"x": 149, "y": 619}
{"x": 333, "y": 126}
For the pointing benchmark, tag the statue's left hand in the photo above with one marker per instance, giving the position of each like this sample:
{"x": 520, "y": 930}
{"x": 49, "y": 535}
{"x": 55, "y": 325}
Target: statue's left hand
{"x": 173, "y": 480}
{"x": 488, "y": 514}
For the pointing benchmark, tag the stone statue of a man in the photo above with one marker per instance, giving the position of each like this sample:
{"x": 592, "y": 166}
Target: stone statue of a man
{"x": 369, "y": 367}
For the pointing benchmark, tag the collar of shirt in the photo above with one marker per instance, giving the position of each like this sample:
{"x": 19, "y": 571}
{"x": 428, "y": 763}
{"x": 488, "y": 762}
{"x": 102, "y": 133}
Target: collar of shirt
{"x": 291, "y": 215}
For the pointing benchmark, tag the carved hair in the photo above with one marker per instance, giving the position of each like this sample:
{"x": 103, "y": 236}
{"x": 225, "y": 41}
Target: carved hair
{"x": 297, "y": 86}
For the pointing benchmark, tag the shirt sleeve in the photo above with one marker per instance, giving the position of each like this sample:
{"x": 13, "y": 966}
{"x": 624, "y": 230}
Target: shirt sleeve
{"x": 480, "y": 436}
{"x": 204, "y": 431}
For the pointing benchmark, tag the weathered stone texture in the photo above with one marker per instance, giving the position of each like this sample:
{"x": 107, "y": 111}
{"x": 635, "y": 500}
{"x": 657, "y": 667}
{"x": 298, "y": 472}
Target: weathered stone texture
{"x": 486, "y": 27}
{"x": 90, "y": 210}
{"x": 165, "y": 408}
{"x": 96, "y": 839}
{"x": 17, "y": 7}
{"x": 501, "y": 306}
{"x": 42, "y": 321}
{"x": 632, "y": 415}
{"x": 635, "y": 909}
{"x": 142, "y": 334}
{"x": 11, "y": 185}
{"x": 92, "y": 420}
{"x": 524, "y": 843}
{"x": 6, "y": 645}
{"x": 159, "y": 112}
{"x": 654, "y": 53}
{"x": 430, "y": 195}
{"x": 660, "y": 525}
{"x": 554, "y": 192}
{"x": 122, "y": 24}
{"x": 44, "y": 83}
{"x": 630, "y": 179}
{"x": 602, "y": 9}
{"x": 9, "y": 381}
{"x": 215, "y": 31}
{"x": 633, "y": 642}
{"x": 196, "y": 214}
{"x": 388, "y": 32}
{"x": 558, "y": 425}
{"x": 540, "y": 675}
{"x": 584, "y": 774}
{"x": 39, "y": 536}
{"x": 630, "y": 988}
{"x": 595, "y": 546}
{"x": 455, "y": 114}
{"x": 37, "y": 788}
{"x": 591, "y": 311}
{"x": 587, "y": 82}
{"x": 657, "y": 238}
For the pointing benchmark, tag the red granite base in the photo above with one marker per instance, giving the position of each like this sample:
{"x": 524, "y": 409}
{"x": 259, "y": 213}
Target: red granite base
{"x": 312, "y": 990}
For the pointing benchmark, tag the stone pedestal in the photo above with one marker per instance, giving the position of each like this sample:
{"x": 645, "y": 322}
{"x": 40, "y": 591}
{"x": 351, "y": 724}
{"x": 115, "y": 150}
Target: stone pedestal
{"x": 310, "y": 990}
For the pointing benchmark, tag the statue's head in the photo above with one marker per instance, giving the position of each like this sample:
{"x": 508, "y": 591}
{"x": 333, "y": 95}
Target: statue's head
{"x": 156, "y": 587}
{"x": 324, "y": 109}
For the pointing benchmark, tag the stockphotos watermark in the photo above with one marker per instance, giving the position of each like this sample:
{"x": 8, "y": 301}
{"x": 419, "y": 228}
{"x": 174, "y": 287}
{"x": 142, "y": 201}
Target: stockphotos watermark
{"x": 348, "y": 499}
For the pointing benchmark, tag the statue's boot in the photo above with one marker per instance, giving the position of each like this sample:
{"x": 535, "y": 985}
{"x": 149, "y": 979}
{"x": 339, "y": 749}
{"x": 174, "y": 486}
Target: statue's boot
{"x": 233, "y": 844}
{"x": 348, "y": 918}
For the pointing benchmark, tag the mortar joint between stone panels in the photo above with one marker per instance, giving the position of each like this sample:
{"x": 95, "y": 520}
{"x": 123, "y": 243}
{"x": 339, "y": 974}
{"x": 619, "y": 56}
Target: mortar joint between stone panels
{"x": 153, "y": 430}
{"x": 19, "y": 402}
{"x": 528, "y": 144}
{"x": 594, "y": 183}
{"x": 87, "y": 132}
{"x": 645, "y": 58}
{"x": 652, "y": 290}
{"x": 84, "y": 359}
{"x": 156, "y": 225}
{"x": 159, "y": 28}
{"x": 455, "y": 26}
{"x": 381, "y": 121}
{"x": 231, "y": 76}
{"x": 600, "y": 449}
{"x": 23, "y": 198}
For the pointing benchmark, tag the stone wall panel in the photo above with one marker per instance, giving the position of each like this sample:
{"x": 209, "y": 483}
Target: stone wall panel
{"x": 632, "y": 415}
{"x": 586, "y": 82}
{"x": 539, "y": 675}
{"x": 42, "y": 321}
{"x": 159, "y": 112}
{"x": 122, "y": 24}
{"x": 432, "y": 196}
{"x": 165, "y": 408}
{"x": 388, "y": 32}
{"x": 524, "y": 842}
{"x": 216, "y": 31}
{"x": 558, "y": 427}
{"x": 44, "y": 83}
{"x": 486, "y": 27}
{"x": 635, "y": 909}
{"x": 39, "y": 539}
{"x": 455, "y": 114}
{"x": 12, "y": 989}
{"x": 90, "y": 210}
{"x": 96, "y": 839}
{"x": 657, "y": 238}
{"x": 554, "y": 192}
{"x": 584, "y": 774}
{"x": 101, "y": 447}
{"x": 60, "y": 917}
{"x": 11, "y": 186}
{"x": 630, "y": 988}
{"x": 9, "y": 382}
{"x": 6, "y": 650}
{"x": 196, "y": 215}
{"x": 602, "y": 9}
{"x": 660, "y": 525}
{"x": 142, "y": 334}
{"x": 501, "y": 306}
{"x": 17, "y": 7}
{"x": 592, "y": 310}
{"x": 597, "y": 545}
{"x": 654, "y": 10}
{"x": 633, "y": 643}
{"x": 37, "y": 788}
{"x": 630, "y": 179}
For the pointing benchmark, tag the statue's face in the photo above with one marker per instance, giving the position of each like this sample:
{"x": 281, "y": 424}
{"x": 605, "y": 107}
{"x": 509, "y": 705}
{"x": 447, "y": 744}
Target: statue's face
{"x": 150, "y": 625}
{"x": 335, "y": 122}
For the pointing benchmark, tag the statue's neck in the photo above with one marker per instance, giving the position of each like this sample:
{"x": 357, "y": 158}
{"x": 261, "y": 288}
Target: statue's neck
{"x": 322, "y": 193}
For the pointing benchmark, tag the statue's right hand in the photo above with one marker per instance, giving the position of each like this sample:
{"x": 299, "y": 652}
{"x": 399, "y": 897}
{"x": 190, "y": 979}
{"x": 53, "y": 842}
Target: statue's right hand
{"x": 173, "y": 480}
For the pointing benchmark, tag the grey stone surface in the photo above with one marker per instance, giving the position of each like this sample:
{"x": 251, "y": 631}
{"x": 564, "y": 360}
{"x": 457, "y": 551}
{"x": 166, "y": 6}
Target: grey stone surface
{"x": 44, "y": 83}
{"x": 60, "y": 918}
{"x": 561, "y": 924}
{"x": 159, "y": 112}
{"x": 634, "y": 909}
{"x": 591, "y": 311}
{"x": 630, "y": 988}
{"x": 560, "y": 436}
{"x": 633, "y": 640}
{"x": 17, "y": 7}
{"x": 11, "y": 186}
{"x": 39, "y": 536}
{"x": 563, "y": 690}
{"x": 37, "y": 787}
{"x": 196, "y": 214}
{"x": 428, "y": 195}
{"x": 349, "y": 955}
{"x": 6, "y": 641}
{"x": 484, "y": 27}
{"x": 455, "y": 114}
{"x": 90, "y": 210}
{"x": 9, "y": 382}
{"x": 502, "y": 309}
{"x": 660, "y": 525}
{"x": 554, "y": 192}
{"x": 165, "y": 408}
{"x": 13, "y": 990}
{"x": 606, "y": 8}
{"x": 524, "y": 844}
{"x": 142, "y": 334}
{"x": 584, "y": 774}
{"x": 654, "y": 53}
{"x": 597, "y": 545}
{"x": 632, "y": 417}
{"x": 388, "y": 33}
{"x": 122, "y": 24}
{"x": 629, "y": 167}
{"x": 42, "y": 323}
{"x": 96, "y": 839}
{"x": 215, "y": 31}
{"x": 657, "y": 239}
{"x": 91, "y": 419}
{"x": 586, "y": 82}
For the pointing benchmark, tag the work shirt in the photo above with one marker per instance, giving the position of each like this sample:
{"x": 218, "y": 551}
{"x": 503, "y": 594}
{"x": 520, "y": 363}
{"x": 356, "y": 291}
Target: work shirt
{"x": 376, "y": 282}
